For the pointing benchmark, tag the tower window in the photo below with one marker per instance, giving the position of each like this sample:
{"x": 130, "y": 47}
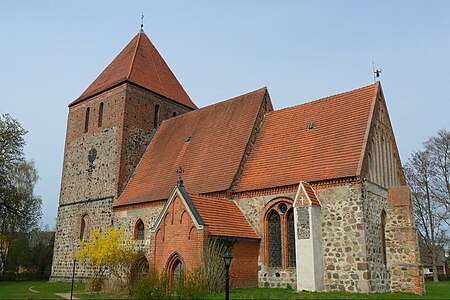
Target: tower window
{"x": 156, "y": 117}
{"x": 86, "y": 121}
{"x": 84, "y": 227}
{"x": 100, "y": 115}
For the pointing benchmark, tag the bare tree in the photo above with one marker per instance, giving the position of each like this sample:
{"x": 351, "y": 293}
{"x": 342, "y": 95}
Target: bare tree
{"x": 427, "y": 174}
{"x": 439, "y": 149}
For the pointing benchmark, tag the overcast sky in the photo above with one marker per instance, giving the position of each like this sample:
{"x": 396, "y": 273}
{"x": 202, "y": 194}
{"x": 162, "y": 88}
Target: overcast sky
{"x": 52, "y": 50}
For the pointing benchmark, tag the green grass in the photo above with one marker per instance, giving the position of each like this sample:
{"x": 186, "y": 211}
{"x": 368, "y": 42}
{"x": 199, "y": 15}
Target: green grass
{"x": 435, "y": 290}
{"x": 20, "y": 290}
{"x": 45, "y": 290}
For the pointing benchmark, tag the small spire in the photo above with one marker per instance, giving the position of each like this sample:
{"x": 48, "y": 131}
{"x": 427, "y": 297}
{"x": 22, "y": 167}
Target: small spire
{"x": 142, "y": 22}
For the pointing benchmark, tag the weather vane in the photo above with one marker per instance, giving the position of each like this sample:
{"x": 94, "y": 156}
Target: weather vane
{"x": 142, "y": 21}
{"x": 376, "y": 73}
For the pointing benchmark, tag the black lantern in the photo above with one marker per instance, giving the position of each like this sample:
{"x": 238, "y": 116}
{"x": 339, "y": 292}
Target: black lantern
{"x": 227, "y": 260}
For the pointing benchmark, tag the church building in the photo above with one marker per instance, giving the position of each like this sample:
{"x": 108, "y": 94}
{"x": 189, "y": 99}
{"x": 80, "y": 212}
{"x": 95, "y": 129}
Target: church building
{"x": 311, "y": 196}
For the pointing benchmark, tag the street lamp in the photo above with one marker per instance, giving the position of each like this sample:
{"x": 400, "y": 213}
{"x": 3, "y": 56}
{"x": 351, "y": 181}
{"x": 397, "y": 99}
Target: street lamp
{"x": 227, "y": 260}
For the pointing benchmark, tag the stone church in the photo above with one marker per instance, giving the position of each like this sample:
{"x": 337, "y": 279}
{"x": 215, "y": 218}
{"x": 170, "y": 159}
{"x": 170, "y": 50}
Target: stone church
{"x": 312, "y": 196}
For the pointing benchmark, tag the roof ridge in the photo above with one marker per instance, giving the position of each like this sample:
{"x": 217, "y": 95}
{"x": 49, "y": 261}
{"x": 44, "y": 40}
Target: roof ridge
{"x": 321, "y": 99}
{"x": 134, "y": 56}
{"x": 233, "y": 98}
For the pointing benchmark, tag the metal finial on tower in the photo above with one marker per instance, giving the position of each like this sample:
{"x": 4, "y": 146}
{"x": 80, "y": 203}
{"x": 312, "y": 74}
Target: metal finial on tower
{"x": 376, "y": 73}
{"x": 142, "y": 22}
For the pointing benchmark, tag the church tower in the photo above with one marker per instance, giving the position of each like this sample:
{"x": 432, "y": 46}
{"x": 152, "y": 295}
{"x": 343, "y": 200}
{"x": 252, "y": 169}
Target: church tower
{"x": 108, "y": 129}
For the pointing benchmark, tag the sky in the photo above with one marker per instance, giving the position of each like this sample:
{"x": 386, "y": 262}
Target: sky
{"x": 301, "y": 50}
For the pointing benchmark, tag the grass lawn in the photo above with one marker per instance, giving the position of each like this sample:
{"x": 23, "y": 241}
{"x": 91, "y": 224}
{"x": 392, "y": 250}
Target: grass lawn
{"x": 44, "y": 290}
{"x": 438, "y": 290}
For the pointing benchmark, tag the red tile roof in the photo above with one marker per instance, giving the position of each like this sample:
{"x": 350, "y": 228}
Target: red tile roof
{"x": 286, "y": 151}
{"x": 223, "y": 217}
{"x": 311, "y": 194}
{"x": 139, "y": 63}
{"x": 218, "y": 135}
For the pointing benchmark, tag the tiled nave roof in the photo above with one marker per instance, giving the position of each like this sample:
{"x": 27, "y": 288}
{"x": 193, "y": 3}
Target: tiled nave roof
{"x": 288, "y": 151}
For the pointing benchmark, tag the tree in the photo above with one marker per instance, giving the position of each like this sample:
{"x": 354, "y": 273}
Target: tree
{"x": 439, "y": 150}
{"x": 108, "y": 251}
{"x": 20, "y": 209}
{"x": 427, "y": 174}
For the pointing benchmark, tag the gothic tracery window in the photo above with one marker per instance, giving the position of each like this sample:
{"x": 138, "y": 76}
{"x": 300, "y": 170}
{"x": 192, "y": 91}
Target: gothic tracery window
{"x": 274, "y": 239}
{"x": 281, "y": 236}
{"x": 291, "y": 238}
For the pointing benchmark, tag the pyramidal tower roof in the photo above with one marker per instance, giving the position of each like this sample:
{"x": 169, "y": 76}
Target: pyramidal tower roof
{"x": 139, "y": 63}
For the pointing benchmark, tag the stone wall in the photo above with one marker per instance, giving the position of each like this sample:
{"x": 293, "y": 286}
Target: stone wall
{"x": 127, "y": 218}
{"x": 67, "y": 238}
{"x": 375, "y": 201}
{"x": 343, "y": 238}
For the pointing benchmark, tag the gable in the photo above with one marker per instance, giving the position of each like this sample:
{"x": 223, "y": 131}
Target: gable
{"x": 306, "y": 196}
{"x": 381, "y": 163}
{"x": 288, "y": 149}
{"x": 179, "y": 195}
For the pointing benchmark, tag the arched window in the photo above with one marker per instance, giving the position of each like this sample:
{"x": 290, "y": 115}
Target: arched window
{"x": 139, "y": 230}
{"x": 100, "y": 114}
{"x": 291, "y": 238}
{"x": 383, "y": 237}
{"x": 274, "y": 239}
{"x": 84, "y": 227}
{"x": 156, "y": 117}
{"x": 280, "y": 236}
{"x": 174, "y": 114}
{"x": 86, "y": 120}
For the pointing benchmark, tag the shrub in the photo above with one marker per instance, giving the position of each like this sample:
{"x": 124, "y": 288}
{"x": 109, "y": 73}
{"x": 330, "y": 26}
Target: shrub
{"x": 153, "y": 286}
{"x": 213, "y": 268}
{"x": 193, "y": 286}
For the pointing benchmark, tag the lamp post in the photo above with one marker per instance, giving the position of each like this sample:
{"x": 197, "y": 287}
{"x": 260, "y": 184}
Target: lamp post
{"x": 73, "y": 277}
{"x": 227, "y": 260}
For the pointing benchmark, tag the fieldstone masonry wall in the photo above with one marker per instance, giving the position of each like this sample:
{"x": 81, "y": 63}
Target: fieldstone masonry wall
{"x": 375, "y": 201}
{"x": 82, "y": 180}
{"x": 127, "y": 218}
{"x": 67, "y": 238}
{"x": 343, "y": 238}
